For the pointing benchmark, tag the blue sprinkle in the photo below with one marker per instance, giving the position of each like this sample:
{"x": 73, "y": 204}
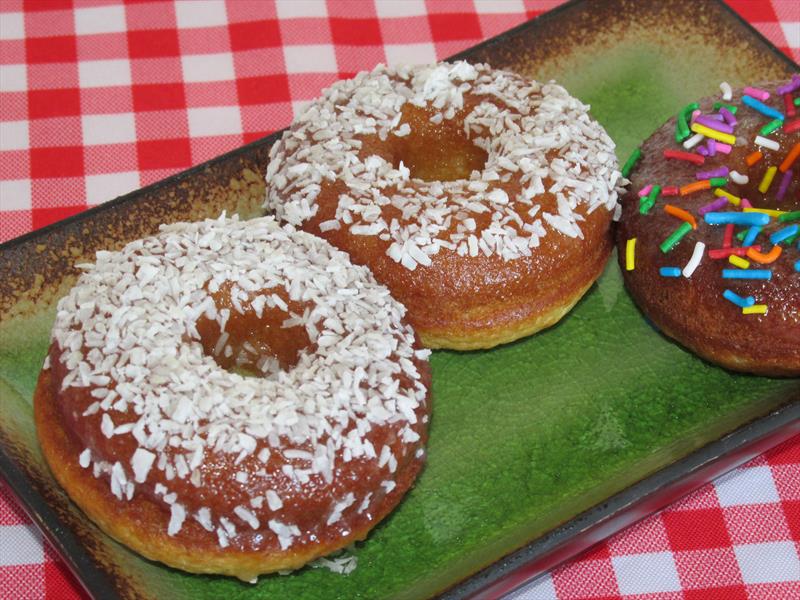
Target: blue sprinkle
{"x": 746, "y": 274}
{"x": 670, "y": 272}
{"x": 762, "y": 108}
{"x": 737, "y": 218}
{"x": 797, "y": 266}
{"x": 751, "y": 236}
{"x": 785, "y": 233}
{"x": 739, "y": 300}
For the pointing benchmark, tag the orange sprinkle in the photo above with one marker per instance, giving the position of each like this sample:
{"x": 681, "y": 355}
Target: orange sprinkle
{"x": 695, "y": 186}
{"x": 790, "y": 158}
{"x": 681, "y": 214}
{"x": 753, "y": 158}
{"x": 767, "y": 258}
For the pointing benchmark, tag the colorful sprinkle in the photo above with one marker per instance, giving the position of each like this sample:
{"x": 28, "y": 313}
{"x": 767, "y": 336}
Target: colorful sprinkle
{"x": 675, "y": 237}
{"x": 789, "y": 216}
{"x": 738, "y": 300}
{"x": 693, "y": 141}
{"x": 738, "y": 261}
{"x": 791, "y": 86}
{"x": 682, "y": 214}
{"x": 727, "y": 91}
{"x": 714, "y": 124}
{"x": 695, "y": 186}
{"x": 630, "y": 254}
{"x": 645, "y": 204}
{"x": 720, "y": 147}
{"x": 670, "y": 190}
{"x": 753, "y": 158}
{"x": 728, "y": 113}
{"x": 720, "y": 172}
{"x": 790, "y": 158}
{"x": 757, "y": 93}
{"x": 645, "y": 190}
{"x": 765, "y": 259}
{"x": 756, "y": 309}
{"x": 762, "y": 108}
{"x": 737, "y": 218}
{"x": 791, "y": 126}
{"x": 770, "y": 127}
{"x": 738, "y": 178}
{"x": 748, "y": 274}
{"x": 681, "y": 127}
{"x": 772, "y": 212}
{"x": 784, "y": 185}
{"x": 797, "y": 266}
{"x": 718, "y": 253}
{"x": 725, "y": 138}
{"x": 669, "y": 272}
{"x": 687, "y": 156}
{"x": 712, "y": 206}
{"x": 694, "y": 260}
{"x": 769, "y": 175}
{"x": 735, "y": 200}
{"x": 631, "y": 162}
{"x": 745, "y": 204}
{"x": 789, "y": 105}
{"x": 767, "y": 143}
{"x": 784, "y": 234}
{"x": 727, "y": 237}
{"x": 751, "y": 236}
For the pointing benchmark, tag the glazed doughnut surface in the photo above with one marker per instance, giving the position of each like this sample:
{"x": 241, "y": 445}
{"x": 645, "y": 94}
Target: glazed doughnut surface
{"x": 230, "y": 397}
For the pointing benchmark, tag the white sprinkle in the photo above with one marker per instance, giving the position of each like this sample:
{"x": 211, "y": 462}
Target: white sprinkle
{"x": 727, "y": 91}
{"x": 141, "y": 461}
{"x": 767, "y": 143}
{"x": 694, "y": 261}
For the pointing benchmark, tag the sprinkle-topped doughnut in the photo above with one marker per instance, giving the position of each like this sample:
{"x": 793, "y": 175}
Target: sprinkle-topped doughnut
{"x": 231, "y": 397}
{"x": 716, "y": 246}
{"x": 480, "y": 198}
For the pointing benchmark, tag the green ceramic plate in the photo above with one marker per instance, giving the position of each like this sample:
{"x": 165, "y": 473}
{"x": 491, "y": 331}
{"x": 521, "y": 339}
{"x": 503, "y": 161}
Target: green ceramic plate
{"x": 524, "y": 438}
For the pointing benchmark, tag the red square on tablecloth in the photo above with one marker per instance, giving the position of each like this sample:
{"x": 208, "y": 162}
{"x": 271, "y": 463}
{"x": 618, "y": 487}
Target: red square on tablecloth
{"x": 696, "y": 529}
{"x": 150, "y": 43}
{"x": 255, "y": 34}
{"x": 46, "y": 216}
{"x": 356, "y": 32}
{"x": 163, "y": 154}
{"x": 43, "y": 104}
{"x": 452, "y": 26}
{"x": 64, "y": 161}
{"x": 158, "y": 96}
{"x": 733, "y": 592}
{"x": 262, "y": 90}
{"x": 56, "y": 49}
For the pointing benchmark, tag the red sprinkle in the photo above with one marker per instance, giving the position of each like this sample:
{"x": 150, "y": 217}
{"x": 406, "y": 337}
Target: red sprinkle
{"x": 728, "y": 236}
{"x": 726, "y": 252}
{"x": 670, "y": 190}
{"x": 788, "y": 104}
{"x": 688, "y": 156}
{"x": 791, "y": 126}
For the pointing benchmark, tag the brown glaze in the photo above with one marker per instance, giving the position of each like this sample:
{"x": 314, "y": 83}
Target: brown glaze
{"x": 693, "y": 311}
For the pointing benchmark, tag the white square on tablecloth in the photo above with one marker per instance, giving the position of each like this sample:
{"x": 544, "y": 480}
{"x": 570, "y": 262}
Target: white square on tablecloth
{"x": 748, "y": 485}
{"x": 108, "y": 129}
{"x": 14, "y": 135}
{"x": 13, "y": 78}
{"x": 499, "y": 6}
{"x": 200, "y": 13}
{"x": 104, "y": 73}
{"x": 294, "y": 9}
{"x": 646, "y": 573}
{"x": 20, "y": 545}
{"x": 317, "y": 58}
{"x": 207, "y": 67}
{"x": 791, "y": 30}
{"x": 101, "y": 188}
{"x": 413, "y": 54}
{"x": 12, "y": 26}
{"x": 15, "y": 194}
{"x": 214, "y": 120}
{"x": 769, "y": 562}
{"x": 100, "y": 19}
{"x": 407, "y": 8}
{"x": 541, "y": 588}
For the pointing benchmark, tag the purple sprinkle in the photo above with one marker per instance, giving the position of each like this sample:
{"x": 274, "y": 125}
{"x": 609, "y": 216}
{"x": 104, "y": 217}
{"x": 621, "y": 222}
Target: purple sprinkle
{"x": 702, "y": 151}
{"x": 711, "y": 207}
{"x": 729, "y": 117}
{"x": 790, "y": 87}
{"x": 745, "y": 203}
{"x": 787, "y": 177}
{"x": 712, "y": 146}
{"x": 714, "y": 124}
{"x": 721, "y": 172}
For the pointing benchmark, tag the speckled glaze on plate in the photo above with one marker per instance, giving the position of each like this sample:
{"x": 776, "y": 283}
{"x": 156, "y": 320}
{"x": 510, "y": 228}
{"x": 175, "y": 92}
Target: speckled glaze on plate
{"x": 524, "y": 437}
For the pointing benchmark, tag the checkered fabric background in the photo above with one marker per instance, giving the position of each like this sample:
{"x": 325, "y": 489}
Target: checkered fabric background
{"x": 101, "y": 97}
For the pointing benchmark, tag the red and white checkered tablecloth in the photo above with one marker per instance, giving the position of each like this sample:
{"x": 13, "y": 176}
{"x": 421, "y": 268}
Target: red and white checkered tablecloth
{"x": 100, "y": 97}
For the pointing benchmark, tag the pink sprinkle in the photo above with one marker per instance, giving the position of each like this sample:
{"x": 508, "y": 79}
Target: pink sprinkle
{"x": 714, "y": 124}
{"x": 721, "y": 172}
{"x": 787, "y": 177}
{"x": 712, "y": 206}
{"x": 645, "y": 190}
{"x": 756, "y": 93}
{"x": 745, "y": 203}
{"x": 724, "y": 148}
{"x": 695, "y": 114}
{"x": 729, "y": 117}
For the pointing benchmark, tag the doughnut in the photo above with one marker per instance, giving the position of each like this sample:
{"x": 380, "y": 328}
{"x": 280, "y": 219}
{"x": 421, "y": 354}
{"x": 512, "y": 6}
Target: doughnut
{"x": 708, "y": 238}
{"x": 231, "y": 397}
{"x": 481, "y": 199}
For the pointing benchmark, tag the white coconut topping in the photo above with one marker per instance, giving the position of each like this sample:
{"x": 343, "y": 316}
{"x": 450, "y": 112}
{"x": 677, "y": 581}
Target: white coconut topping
{"x": 186, "y": 414}
{"x": 535, "y": 135}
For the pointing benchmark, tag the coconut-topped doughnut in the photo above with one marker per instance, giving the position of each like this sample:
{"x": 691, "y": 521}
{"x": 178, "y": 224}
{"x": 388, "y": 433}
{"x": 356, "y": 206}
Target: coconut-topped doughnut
{"x": 482, "y": 199}
{"x": 231, "y": 397}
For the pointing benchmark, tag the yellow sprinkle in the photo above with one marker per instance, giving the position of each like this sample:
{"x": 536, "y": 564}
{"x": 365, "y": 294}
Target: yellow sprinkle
{"x": 767, "y": 181}
{"x": 725, "y": 138}
{"x": 767, "y": 211}
{"x": 756, "y": 309}
{"x": 735, "y": 200}
{"x": 630, "y": 248}
{"x": 738, "y": 261}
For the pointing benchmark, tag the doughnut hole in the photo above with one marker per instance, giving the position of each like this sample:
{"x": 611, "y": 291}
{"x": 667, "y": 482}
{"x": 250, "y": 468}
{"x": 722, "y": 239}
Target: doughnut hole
{"x": 435, "y": 152}
{"x": 253, "y": 345}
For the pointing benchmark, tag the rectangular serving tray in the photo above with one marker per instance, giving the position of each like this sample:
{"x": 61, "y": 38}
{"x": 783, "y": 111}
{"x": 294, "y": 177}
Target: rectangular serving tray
{"x": 538, "y": 448}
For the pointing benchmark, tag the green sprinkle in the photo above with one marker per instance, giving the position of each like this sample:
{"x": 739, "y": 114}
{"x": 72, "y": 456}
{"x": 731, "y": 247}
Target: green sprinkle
{"x": 646, "y": 203}
{"x": 770, "y": 127}
{"x": 718, "y": 181}
{"x": 730, "y": 107}
{"x": 682, "y": 130}
{"x": 789, "y": 216}
{"x": 797, "y": 101}
{"x": 741, "y": 235}
{"x": 675, "y": 237}
{"x": 631, "y": 162}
